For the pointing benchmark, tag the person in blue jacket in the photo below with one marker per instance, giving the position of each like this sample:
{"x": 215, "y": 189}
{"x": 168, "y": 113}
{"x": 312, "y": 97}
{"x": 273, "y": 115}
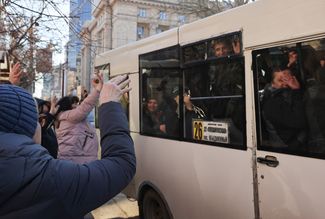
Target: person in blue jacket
{"x": 35, "y": 185}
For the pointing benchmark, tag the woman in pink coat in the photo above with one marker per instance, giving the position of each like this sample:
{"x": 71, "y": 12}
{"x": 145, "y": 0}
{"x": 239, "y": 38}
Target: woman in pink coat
{"x": 77, "y": 139}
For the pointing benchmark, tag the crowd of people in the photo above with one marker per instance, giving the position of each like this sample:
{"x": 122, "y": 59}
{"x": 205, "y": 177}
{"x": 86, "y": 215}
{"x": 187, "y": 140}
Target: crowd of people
{"x": 49, "y": 152}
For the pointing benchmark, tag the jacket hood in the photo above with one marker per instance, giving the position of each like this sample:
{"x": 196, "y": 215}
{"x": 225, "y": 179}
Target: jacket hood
{"x": 19, "y": 164}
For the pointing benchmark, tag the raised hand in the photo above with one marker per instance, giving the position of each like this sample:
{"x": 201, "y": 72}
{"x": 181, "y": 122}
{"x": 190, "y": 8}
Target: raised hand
{"x": 97, "y": 82}
{"x": 15, "y": 74}
{"x": 54, "y": 108}
{"x": 291, "y": 82}
{"x": 236, "y": 47}
{"x": 114, "y": 89}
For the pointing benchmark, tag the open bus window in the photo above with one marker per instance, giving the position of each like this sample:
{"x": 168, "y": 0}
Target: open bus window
{"x": 291, "y": 96}
{"x": 225, "y": 46}
{"x": 160, "y": 80}
{"x": 214, "y": 102}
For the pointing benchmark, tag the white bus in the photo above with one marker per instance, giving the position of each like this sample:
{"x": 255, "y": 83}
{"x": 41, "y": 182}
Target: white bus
{"x": 247, "y": 137}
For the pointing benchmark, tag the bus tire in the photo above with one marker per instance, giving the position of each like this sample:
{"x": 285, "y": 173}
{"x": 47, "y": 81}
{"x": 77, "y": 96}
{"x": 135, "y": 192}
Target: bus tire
{"x": 153, "y": 207}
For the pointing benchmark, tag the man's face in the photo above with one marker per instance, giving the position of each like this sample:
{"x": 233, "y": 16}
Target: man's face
{"x": 152, "y": 105}
{"x": 280, "y": 79}
{"x": 220, "y": 49}
{"x": 322, "y": 62}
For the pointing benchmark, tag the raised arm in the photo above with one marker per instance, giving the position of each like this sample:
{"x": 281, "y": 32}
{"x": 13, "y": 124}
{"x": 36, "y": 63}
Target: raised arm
{"x": 15, "y": 74}
{"x": 81, "y": 112}
{"x": 85, "y": 187}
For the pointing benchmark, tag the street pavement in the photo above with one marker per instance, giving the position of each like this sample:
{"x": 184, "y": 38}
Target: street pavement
{"x": 117, "y": 208}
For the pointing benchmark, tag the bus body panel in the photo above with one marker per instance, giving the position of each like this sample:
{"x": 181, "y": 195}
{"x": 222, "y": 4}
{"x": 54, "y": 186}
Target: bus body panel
{"x": 197, "y": 181}
{"x": 294, "y": 189}
{"x": 134, "y": 103}
{"x": 262, "y": 22}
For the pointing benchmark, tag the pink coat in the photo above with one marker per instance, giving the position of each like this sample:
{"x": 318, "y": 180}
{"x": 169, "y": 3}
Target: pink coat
{"x": 77, "y": 139}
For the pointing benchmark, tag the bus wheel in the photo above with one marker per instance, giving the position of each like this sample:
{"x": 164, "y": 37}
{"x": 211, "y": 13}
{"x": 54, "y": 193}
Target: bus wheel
{"x": 153, "y": 207}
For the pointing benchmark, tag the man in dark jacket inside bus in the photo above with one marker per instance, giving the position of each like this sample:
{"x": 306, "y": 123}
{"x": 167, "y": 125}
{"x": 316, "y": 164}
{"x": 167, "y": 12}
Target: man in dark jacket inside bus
{"x": 283, "y": 110}
{"x": 35, "y": 185}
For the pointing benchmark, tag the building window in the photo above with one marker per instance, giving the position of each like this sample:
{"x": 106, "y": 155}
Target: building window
{"x": 161, "y": 28}
{"x": 181, "y": 19}
{"x": 142, "y": 30}
{"x": 142, "y": 12}
{"x": 162, "y": 15}
{"x": 100, "y": 41}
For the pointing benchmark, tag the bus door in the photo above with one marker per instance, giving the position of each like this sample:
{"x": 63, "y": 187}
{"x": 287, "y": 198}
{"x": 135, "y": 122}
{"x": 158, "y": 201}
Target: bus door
{"x": 290, "y": 106}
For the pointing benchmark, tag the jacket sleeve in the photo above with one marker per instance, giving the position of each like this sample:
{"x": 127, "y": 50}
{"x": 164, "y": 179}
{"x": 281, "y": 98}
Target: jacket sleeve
{"x": 83, "y": 188}
{"x": 81, "y": 112}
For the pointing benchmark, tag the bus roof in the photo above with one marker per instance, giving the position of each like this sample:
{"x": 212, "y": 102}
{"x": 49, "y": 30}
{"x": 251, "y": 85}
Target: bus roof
{"x": 263, "y": 23}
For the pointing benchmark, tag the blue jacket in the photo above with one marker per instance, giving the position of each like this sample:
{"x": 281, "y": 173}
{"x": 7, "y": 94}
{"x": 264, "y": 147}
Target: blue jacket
{"x": 34, "y": 185}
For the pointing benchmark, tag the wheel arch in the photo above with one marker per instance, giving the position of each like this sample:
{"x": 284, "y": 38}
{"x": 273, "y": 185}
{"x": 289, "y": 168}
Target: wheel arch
{"x": 146, "y": 186}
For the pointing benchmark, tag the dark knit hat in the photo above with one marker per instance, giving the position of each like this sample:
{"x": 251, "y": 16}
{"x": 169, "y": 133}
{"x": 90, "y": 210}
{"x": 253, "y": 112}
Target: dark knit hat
{"x": 18, "y": 112}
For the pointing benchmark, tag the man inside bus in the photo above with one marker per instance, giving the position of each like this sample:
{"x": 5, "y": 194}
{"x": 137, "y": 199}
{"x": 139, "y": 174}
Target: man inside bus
{"x": 225, "y": 46}
{"x": 283, "y": 110}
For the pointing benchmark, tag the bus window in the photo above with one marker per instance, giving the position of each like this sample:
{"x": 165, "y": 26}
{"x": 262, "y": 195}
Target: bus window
{"x": 291, "y": 96}
{"x": 160, "y": 78}
{"x": 214, "y": 101}
{"x": 194, "y": 53}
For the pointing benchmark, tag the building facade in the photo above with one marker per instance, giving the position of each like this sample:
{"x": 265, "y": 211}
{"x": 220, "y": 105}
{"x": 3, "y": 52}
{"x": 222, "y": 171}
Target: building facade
{"x": 118, "y": 22}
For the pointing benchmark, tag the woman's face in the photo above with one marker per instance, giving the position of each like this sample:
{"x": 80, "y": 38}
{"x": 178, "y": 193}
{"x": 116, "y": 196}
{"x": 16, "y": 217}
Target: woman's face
{"x": 152, "y": 105}
{"x": 45, "y": 108}
{"x": 74, "y": 105}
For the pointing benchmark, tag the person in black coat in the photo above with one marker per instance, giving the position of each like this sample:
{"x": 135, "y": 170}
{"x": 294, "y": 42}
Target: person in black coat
{"x": 35, "y": 185}
{"x": 47, "y": 113}
{"x": 283, "y": 110}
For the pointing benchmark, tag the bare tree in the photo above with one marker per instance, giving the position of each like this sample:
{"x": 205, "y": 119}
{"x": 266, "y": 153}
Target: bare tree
{"x": 19, "y": 35}
{"x": 204, "y": 8}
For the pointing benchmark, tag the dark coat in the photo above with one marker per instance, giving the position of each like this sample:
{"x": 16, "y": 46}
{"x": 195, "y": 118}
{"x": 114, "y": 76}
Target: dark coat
{"x": 34, "y": 185}
{"x": 284, "y": 109}
{"x": 49, "y": 140}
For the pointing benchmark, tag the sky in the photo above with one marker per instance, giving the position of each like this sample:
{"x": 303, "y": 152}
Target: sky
{"x": 51, "y": 29}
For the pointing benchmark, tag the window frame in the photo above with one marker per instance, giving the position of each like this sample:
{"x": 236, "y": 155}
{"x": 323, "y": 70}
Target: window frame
{"x": 260, "y": 146}
{"x": 99, "y": 68}
{"x": 163, "y": 15}
{"x": 208, "y": 61}
{"x": 141, "y": 92}
{"x": 182, "y": 68}
{"x": 142, "y": 12}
